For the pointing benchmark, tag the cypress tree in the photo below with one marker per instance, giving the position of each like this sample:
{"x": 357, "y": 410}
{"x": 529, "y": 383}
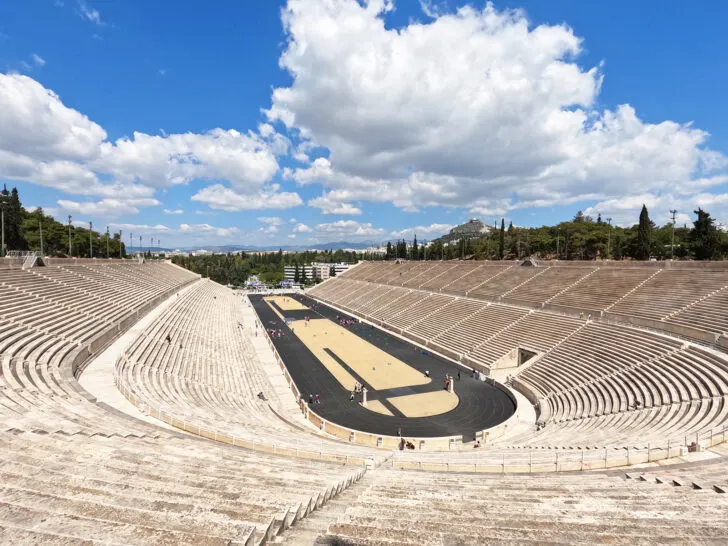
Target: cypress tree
{"x": 704, "y": 236}
{"x": 643, "y": 243}
{"x": 502, "y": 239}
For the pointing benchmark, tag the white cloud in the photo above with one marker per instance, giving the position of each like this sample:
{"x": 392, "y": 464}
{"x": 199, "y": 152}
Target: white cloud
{"x": 207, "y": 229}
{"x": 45, "y": 142}
{"x": 625, "y": 211}
{"x": 423, "y": 232}
{"x": 158, "y": 228}
{"x": 243, "y": 159}
{"x": 162, "y": 72}
{"x": 219, "y": 197}
{"x": 474, "y": 103}
{"x": 302, "y": 228}
{"x": 34, "y": 123}
{"x": 89, "y": 13}
{"x": 175, "y": 211}
{"x": 38, "y": 60}
{"x": 270, "y": 220}
{"x": 329, "y": 206}
{"x": 292, "y": 221}
{"x": 348, "y": 228}
{"x": 269, "y": 229}
{"x": 106, "y": 208}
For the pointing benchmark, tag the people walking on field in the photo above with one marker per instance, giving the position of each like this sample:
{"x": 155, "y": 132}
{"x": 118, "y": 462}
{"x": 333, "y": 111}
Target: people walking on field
{"x": 317, "y": 398}
{"x": 310, "y": 399}
{"x": 458, "y": 375}
{"x": 351, "y": 396}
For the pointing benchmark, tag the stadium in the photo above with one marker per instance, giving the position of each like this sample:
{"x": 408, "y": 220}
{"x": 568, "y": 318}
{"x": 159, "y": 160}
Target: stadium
{"x": 142, "y": 404}
{"x": 363, "y": 273}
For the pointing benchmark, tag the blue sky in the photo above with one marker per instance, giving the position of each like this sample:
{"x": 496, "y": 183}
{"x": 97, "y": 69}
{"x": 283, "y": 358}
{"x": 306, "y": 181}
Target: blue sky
{"x": 301, "y": 121}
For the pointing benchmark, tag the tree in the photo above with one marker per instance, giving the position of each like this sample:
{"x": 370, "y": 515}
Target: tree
{"x": 390, "y": 251}
{"x": 643, "y": 244}
{"x": 704, "y": 237}
{"x": 502, "y": 239}
{"x": 415, "y": 249}
{"x": 332, "y": 271}
{"x": 14, "y": 239}
{"x": 296, "y": 274}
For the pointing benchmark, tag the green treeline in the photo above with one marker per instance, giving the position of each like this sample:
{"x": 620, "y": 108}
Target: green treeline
{"x": 582, "y": 238}
{"x": 268, "y": 266}
{"x": 23, "y": 229}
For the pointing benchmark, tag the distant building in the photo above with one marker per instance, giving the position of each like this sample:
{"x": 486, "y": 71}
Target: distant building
{"x": 320, "y": 271}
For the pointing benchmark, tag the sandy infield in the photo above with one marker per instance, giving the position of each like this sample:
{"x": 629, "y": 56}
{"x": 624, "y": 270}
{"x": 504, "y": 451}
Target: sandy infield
{"x": 425, "y": 404}
{"x": 287, "y": 304}
{"x": 379, "y": 369}
{"x": 376, "y": 405}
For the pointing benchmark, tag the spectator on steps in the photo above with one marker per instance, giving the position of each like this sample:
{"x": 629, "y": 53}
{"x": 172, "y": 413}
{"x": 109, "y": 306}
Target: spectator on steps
{"x": 168, "y": 338}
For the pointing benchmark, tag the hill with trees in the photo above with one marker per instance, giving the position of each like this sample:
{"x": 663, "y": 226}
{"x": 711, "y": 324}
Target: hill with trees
{"x": 581, "y": 238}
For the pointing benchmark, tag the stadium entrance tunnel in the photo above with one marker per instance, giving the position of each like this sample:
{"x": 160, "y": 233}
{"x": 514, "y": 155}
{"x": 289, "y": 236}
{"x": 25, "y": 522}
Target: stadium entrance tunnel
{"x": 332, "y": 358}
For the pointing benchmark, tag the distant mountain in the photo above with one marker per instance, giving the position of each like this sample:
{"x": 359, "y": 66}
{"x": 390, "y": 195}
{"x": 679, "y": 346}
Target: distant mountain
{"x": 291, "y": 248}
{"x": 340, "y": 245}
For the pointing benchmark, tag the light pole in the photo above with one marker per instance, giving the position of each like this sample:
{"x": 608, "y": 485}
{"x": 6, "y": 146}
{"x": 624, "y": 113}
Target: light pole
{"x": 107, "y": 243}
{"x": 609, "y": 237}
{"x": 90, "y": 240}
{"x": 141, "y": 250}
{"x": 121, "y": 244}
{"x": 131, "y": 243}
{"x": 70, "y": 246}
{"x": 2, "y": 221}
{"x": 672, "y": 245}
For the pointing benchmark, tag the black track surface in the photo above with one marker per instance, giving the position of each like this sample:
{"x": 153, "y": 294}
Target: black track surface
{"x": 481, "y": 405}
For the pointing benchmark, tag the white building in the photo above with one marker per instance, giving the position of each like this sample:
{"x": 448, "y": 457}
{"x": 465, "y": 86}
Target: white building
{"x": 319, "y": 271}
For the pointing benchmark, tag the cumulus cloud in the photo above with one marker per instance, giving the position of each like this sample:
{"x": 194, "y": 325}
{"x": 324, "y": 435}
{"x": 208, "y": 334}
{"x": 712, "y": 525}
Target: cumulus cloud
{"x": 43, "y": 141}
{"x": 422, "y": 232}
{"x": 474, "y": 109}
{"x": 349, "y": 229}
{"x": 270, "y": 220}
{"x": 625, "y": 211}
{"x": 175, "y": 211}
{"x": 207, "y": 229}
{"x": 302, "y": 228}
{"x": 106, "y": 208}
{"x": 219, "y": 197}
{"x": 329, "y": 206}
{"x": 243, "y": 159}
